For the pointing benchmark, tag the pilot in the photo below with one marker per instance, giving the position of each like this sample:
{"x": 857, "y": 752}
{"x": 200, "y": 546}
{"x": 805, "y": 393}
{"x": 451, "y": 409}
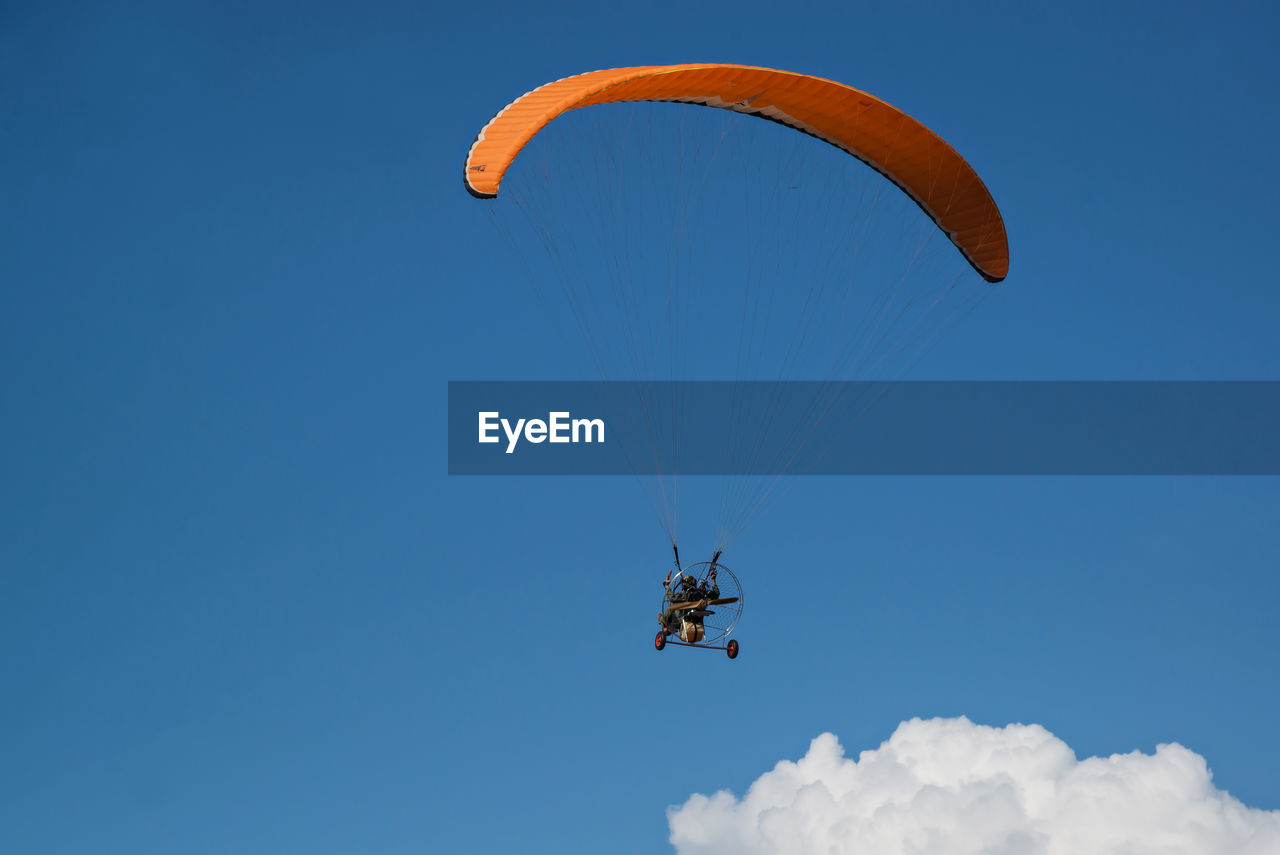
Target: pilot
{"x": 688, "y": 591}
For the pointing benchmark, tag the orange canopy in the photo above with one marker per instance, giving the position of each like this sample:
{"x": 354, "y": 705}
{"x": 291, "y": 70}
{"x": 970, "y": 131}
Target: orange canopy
{"x": 882, "y": 136}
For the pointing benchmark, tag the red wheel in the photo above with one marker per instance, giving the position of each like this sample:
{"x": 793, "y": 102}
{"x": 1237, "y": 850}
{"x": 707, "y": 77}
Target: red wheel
{"x": 732, "y": 649}
{"x": 660, "y": 641}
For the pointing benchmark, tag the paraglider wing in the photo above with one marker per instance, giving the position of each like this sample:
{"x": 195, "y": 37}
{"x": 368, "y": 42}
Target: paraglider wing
{"x": 916, "y": 159}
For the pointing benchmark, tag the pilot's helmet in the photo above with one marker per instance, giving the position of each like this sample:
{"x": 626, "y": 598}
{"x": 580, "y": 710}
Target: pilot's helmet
{"x": 688, "y": 581}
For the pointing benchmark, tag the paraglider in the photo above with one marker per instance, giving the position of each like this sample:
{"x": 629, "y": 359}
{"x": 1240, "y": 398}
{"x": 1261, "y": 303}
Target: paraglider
{"x": 647, "y": 246}
{"x": 881, "y": 136}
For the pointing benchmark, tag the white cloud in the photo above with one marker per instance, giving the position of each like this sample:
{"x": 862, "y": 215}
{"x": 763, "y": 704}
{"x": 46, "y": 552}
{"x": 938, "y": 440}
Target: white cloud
{"x": 948, "y": 786}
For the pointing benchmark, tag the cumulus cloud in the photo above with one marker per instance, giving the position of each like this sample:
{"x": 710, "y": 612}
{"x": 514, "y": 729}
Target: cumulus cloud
{"x": 951, "y": 787}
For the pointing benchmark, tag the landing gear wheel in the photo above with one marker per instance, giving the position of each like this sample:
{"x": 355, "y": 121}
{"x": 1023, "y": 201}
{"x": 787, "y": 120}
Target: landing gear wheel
{"x": 660, "y": 641}
{"x": 732, "y": 649}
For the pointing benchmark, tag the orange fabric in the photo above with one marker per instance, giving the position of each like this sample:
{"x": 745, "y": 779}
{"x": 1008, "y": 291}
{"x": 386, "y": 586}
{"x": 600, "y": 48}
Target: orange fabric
{"x": 891, "y": 142}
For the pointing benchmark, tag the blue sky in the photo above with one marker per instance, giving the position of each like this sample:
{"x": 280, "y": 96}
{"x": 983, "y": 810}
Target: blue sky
{"x": 246, "y": 610}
